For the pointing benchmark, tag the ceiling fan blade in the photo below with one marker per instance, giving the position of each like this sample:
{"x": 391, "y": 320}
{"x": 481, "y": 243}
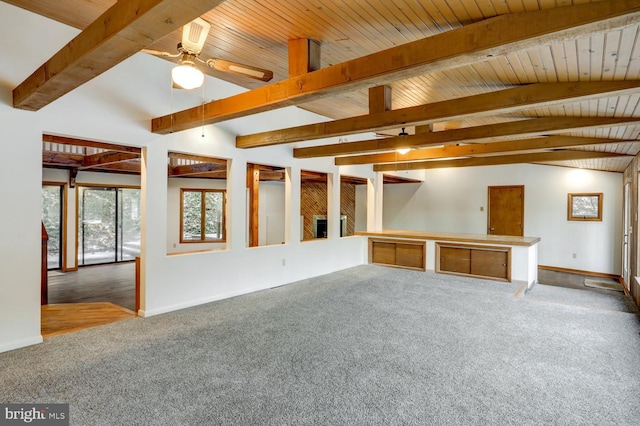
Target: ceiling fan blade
{"x": 240, "y": 69}
{"x": 160, "y": 53}
{"x": 194, "y": 34}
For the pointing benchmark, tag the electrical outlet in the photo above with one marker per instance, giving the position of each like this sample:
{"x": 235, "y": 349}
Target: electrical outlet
{"x": 284, "y": 261}
{"x": 575, "y": 256}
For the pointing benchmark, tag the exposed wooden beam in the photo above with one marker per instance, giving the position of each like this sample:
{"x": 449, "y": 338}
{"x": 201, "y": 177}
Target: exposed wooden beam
{"x": 309, "y": 176}
{"x": 499, "y": 160}
{"x": 393, "y": 179}
{"x": 275, "y": 175}
{"x": 477, "y": 149}
{"x": 220, "y": 174}
{"x": 105, "y": 158}
{"x": 253, "y": 187}
{"x": 175, "y": 157}
{"x": 62, "y": 159}
{"x": 73, "y": 174}
{"x": 379, "y": 99}
{"x": 454, "y": 48}
{"x": 304, "y": 56}
{"x": 132, "y": 167}
{"x": 352, "y": 180}
{"x": 122, "y": 30}
{"x": 191, "y": 169}
{"x": 499, "y": 102}
{"x": 531, "y": 127}
{"x": 63, "y": 140}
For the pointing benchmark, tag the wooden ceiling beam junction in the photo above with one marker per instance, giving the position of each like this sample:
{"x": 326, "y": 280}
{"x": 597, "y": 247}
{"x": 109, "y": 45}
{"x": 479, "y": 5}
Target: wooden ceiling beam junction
{"x": 379, "y": 99}
{"x": 304, "y": 56}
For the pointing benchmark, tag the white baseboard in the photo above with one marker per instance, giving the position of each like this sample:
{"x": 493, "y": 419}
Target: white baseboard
{"x": 17, "y": 344}
{"x": 197, "y": 302}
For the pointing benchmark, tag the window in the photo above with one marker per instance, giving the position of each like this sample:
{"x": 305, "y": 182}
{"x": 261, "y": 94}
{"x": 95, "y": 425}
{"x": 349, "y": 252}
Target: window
{"x": 202, "y": 215}
{"x": 585, "y": 207}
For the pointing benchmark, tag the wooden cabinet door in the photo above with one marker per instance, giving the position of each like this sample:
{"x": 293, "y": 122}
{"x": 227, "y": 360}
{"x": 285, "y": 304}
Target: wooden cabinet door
{"x": 384, "y": 253}
{"x": 453, "y": 259}
{"x": 410, "y": 255}
{"x": 489, "y": 263}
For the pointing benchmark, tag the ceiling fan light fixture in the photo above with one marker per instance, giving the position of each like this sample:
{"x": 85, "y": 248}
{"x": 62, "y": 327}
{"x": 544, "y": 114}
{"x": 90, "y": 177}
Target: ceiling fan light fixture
{"x": 403, "y": 151}
{"x": 186, "y": 75}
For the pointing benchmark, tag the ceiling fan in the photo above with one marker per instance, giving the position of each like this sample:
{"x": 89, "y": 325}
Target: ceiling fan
{"x": 186, "y": 74}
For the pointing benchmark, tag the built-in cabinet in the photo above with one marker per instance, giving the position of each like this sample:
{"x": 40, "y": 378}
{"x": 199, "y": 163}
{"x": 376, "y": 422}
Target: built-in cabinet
{"x": 498, "y": 257}
{"x": 478, "y": 261}
{"x": 400, "y": 253}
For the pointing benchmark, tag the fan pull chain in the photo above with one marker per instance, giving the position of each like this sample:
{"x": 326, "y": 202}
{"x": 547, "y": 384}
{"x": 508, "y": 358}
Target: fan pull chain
{"x": 203, "y": 109}
{"x": 171, "y": 105}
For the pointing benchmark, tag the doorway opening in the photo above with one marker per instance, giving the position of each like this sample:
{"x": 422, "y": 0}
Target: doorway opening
{"x": 92, "y": 279}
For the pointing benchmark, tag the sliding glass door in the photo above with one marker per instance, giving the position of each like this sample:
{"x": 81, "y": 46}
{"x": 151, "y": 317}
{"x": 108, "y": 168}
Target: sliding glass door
{"x": 109, "y": 228}
{"x": 128, "y": 224}
{"x": 52, "y": 220}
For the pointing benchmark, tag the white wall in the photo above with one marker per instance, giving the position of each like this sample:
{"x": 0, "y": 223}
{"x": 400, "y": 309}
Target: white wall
{"x": 20, "y": 192}
{"x": 450, "y": 200}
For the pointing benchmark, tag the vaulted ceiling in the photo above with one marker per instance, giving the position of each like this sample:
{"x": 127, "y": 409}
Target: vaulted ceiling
{"x": 553, "y": 82}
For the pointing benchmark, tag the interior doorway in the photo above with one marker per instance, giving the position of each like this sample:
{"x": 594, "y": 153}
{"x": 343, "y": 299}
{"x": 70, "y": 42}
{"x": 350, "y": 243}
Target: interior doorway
{"x": 505, "y": 215}
{"x": 98, "y": 224}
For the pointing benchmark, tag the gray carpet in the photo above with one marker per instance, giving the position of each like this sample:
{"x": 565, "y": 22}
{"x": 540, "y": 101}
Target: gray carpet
{"x": 365, "y": 346}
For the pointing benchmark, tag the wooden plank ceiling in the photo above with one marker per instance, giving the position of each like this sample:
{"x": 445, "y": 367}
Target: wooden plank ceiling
{"x": 256, "y": 32}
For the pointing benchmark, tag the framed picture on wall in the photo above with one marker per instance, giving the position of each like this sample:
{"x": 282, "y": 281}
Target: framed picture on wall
{"x": 587, "y": 206}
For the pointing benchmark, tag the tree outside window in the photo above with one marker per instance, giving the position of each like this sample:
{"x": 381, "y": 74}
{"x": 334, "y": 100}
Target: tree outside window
{"x": 202, "y": 215}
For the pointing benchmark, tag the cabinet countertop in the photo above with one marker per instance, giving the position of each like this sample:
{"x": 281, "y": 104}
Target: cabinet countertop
{"x": 452, "y": 236}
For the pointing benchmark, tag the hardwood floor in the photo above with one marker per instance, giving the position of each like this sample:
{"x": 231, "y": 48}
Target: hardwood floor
{"x": 113, "y": 283}
{"x": 88, "y": 297}
{"x": 70, "y": 317}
